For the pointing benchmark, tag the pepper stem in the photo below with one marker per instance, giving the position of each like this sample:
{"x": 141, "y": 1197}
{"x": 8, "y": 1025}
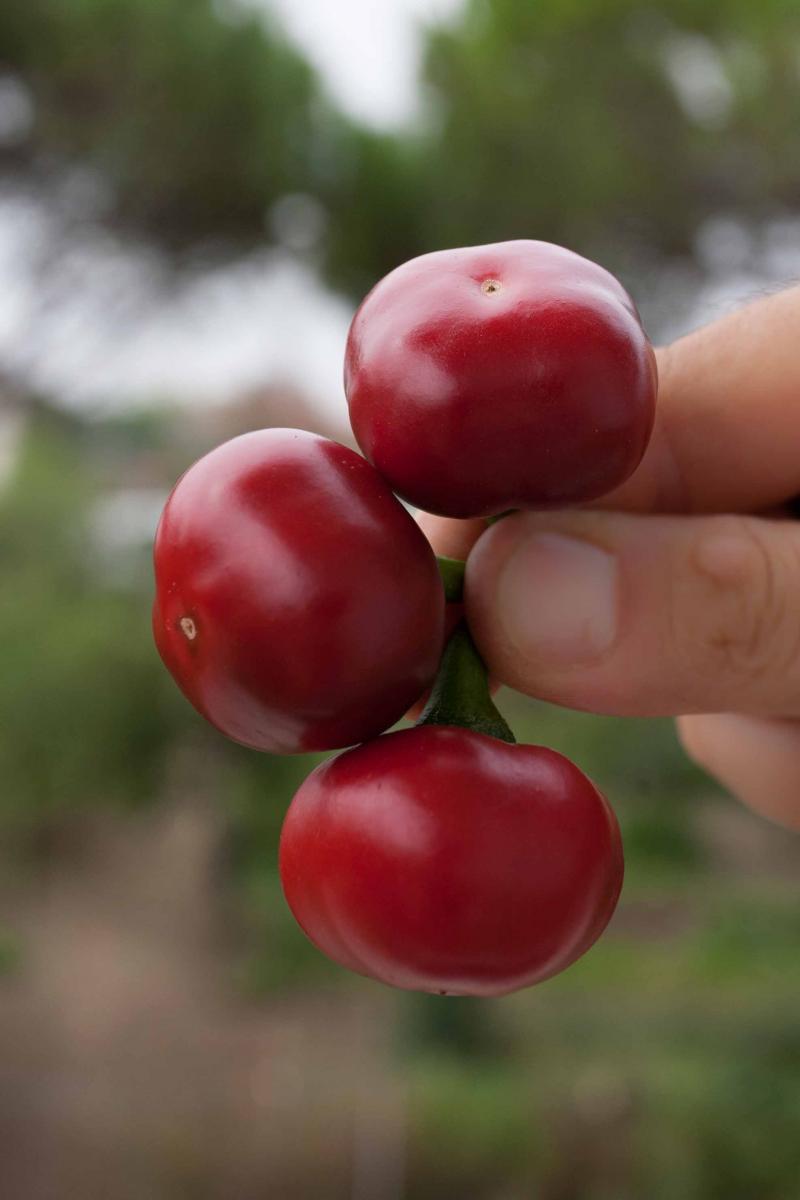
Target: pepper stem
{"x": 461, "y": 695}
{"x": 452, "y": 573}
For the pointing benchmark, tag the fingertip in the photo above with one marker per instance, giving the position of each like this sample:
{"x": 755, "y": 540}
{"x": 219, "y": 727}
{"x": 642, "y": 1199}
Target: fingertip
{"x": 485, "y": 563}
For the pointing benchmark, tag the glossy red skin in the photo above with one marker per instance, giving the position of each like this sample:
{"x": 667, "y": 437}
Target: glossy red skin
{"x": 316, "y": 600}
{"x": 441, "y": 860}
{"x": 537, "y": 395}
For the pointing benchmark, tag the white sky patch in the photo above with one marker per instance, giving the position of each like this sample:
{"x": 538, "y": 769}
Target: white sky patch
{"x": 697, "y": 73}
{"x": 91, "y": 323}
{"x": 367, "y": 51}
{"x": 94, "y": 325}
{"x": 16, "y": 111}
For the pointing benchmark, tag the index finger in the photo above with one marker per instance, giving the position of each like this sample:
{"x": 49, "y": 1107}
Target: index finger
{"x": 727, "y": 431}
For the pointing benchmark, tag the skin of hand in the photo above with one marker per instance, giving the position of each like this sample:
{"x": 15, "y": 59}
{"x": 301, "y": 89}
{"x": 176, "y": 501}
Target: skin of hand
{"x": 678, "y": 594}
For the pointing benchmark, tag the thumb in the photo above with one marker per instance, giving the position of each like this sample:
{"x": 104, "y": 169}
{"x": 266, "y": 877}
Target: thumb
{"x": 641, "y": 615}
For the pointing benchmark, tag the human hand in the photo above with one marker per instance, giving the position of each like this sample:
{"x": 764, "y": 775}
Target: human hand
{"x": 680, "y": 592}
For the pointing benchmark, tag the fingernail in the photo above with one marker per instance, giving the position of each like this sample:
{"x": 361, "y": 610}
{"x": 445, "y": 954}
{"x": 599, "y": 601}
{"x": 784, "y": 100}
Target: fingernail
{"x": 556, "y": 599}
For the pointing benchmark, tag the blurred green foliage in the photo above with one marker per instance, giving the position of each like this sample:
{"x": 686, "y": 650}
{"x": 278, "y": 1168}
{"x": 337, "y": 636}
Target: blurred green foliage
{"x": 612, "y": 121}
{"x": 84, "y": 713}
{"x": 194, "y": 122}
{"x": 614, "y": 126}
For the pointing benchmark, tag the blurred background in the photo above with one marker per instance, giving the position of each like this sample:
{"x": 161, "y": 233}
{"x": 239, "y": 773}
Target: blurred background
{"x": 194, "y": 194}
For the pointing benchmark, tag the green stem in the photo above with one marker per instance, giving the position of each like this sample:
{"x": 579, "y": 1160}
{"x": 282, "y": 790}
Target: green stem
{"x": 452, "y": 573}
{"x": 461, "y": 695}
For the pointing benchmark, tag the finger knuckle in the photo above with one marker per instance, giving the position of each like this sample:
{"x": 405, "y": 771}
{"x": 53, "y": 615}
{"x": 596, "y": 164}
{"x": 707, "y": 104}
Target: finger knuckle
{"x": 742, "y": 615}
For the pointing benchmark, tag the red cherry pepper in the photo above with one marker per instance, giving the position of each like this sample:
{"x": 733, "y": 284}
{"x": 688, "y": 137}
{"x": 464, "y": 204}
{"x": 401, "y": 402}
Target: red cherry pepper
{"x": 442, "y": 860}
{"x": 298, "y": 606}
{"x": 514, "y": 375}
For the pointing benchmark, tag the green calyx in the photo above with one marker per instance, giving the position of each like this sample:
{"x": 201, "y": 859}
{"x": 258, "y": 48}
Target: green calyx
{"x": 461, "y": 696}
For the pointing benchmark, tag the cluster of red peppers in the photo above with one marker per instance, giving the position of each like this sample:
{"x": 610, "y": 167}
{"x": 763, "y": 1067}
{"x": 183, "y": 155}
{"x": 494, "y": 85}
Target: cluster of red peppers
{"x": 300, "y": 608}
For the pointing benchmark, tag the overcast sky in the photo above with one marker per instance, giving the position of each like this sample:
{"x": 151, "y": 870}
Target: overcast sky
{"x": 367, "y": 50}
